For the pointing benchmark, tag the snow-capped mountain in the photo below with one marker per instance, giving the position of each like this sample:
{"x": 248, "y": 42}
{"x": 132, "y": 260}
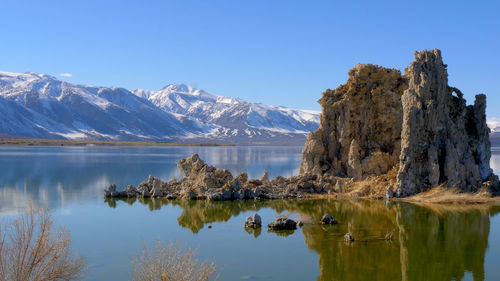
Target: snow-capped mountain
{"x": 494, "y": 124}
{"x": 37, "y": 105}
{"x": 235, "y": 117}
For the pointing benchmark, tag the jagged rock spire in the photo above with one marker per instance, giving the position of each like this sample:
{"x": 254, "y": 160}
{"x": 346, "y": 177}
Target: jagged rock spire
{"x": 442, "y": 141}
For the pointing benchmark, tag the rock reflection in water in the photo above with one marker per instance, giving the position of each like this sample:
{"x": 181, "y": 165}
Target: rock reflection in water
{"x": 425, "y": 242}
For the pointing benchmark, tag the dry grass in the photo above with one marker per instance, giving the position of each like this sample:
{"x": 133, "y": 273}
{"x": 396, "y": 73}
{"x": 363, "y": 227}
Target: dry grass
{"x": 445, "y": 195}
{"x": 171, "y": 263}
{"x": 30, "y": 250}
{"x": 372, "y": 187}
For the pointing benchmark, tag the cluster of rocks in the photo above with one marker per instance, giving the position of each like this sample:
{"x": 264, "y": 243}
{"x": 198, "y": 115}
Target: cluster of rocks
{"x": 283, "y": 223}
{"x": 201, "y": 181}
{"x": 401, "y": 134}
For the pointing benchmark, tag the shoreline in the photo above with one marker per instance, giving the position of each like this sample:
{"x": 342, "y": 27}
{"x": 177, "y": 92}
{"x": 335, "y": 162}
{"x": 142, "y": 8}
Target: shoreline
{"x": 203, "y": 182}
{"x": 55, "y": 142}
{"x": 435, "y": 196}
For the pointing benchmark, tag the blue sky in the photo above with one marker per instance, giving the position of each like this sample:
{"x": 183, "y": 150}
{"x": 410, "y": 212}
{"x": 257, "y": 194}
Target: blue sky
{"x": 274, "y": 52}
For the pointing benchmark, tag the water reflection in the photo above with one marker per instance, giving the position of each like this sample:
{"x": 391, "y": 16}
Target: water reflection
{"x": 429, "y": 242}
{"x": 57, "y": 176}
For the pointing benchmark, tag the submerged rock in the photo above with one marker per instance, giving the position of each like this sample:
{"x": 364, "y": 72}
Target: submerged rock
{"x": 282, "y": 224}
{"x": 328, "y": 219}
{"x": 253, "y": 221}
{"x": 348, "y": 237}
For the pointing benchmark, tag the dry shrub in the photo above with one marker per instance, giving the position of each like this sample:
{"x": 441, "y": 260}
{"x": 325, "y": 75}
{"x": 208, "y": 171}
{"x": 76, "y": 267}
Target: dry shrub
{"x": 30, "y": 250}
{"x": 170, "y": 262}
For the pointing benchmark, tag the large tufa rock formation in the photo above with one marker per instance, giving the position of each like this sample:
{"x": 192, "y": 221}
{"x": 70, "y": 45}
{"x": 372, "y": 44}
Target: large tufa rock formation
{"x": 443, "y": 141}
{"x": 380, "y": 120}
{"x": 360, "y": 125}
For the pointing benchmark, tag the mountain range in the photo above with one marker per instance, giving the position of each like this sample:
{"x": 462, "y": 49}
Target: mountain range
{"x": 41, "y": 106}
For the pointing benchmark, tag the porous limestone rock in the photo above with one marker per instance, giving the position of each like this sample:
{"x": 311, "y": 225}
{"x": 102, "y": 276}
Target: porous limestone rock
{"x": 253, "y": 221}
{"x": 360, "y": 125}
{"x": 348, "y": 238}
{"x": 156, "y": 192}
{"x": 282, "y": 223}
{"x": 443, "y": 141}
{"x": 415, "y": 124}
{"x": 328, "y": 219}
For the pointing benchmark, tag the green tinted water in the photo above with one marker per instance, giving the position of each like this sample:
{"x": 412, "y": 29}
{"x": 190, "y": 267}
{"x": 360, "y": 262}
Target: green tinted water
{"x": 428, "y": 242}
{"x": 393, "y": 240}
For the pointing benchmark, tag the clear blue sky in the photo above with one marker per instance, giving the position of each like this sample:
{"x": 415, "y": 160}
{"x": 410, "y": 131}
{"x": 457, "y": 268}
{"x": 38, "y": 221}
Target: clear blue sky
{"x": 274, "y": 52}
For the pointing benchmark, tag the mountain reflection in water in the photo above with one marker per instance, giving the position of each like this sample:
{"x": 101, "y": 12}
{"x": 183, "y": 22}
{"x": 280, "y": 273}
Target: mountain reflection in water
{"x": 429, "y": 242}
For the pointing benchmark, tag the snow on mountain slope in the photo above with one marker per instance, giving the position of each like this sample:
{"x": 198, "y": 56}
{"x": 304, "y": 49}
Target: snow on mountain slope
{"x": 76, "y": 111}
{"x": 37, "y": 105}
{"x": 236, "y": 117}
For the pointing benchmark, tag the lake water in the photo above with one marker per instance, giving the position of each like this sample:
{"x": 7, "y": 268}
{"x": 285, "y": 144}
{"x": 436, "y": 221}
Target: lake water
{"x": 429, "y": 242}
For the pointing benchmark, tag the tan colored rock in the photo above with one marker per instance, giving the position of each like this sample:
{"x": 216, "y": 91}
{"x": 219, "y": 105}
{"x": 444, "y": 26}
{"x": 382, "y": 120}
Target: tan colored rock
{"x": 380, "y": 121}
{"x": 443, "y": 141}
{"x": 360, "y": 125}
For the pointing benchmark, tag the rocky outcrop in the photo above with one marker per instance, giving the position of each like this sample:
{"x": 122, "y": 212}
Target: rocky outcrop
{"x": 416, "y": 124}
{"x": 201, "y": 181}
{"x": 443, "y": 141}
{"x": 360, "y": 125}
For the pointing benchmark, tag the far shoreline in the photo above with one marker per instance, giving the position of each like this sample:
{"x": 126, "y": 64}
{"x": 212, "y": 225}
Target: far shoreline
{"x": 57, "y": 142}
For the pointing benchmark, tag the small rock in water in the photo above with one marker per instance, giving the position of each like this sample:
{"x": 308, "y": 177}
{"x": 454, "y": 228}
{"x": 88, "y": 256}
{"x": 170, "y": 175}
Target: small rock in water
{"x": 282, "y": 224}
{"x": 348, "y": 237}
{"x": 253, "y": 221}
{"x": 328, "y": 219}
{"x": 110, "y": 191}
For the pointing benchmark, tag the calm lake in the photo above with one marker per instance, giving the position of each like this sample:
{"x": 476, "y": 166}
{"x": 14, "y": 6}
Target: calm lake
{"x": 429, "y": 242}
